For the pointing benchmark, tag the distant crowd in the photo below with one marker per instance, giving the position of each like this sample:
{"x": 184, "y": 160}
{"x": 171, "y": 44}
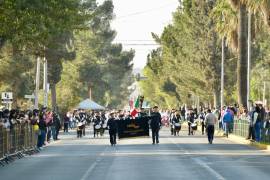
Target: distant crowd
{"x": 46, "y": 124}
{"x": 258, "y": 119}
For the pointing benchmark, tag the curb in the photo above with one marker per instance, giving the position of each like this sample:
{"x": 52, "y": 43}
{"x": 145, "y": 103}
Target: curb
{"x": 242, "y": 140}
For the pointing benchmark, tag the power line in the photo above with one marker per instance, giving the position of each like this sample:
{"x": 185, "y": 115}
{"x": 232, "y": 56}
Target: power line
{"x": 143, "y": 12}
{"x": 139, "y": 44}
{"x": 135, "y": 40}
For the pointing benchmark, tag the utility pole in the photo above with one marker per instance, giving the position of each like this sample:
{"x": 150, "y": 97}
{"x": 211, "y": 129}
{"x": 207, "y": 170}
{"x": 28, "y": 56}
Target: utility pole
{"x": 45, "y": 82}
{"x": 37, "y": 83}
{"x": 222, "y": 72}
{"x": 264, "y": 91}
{"x": 222, "y": 68}
{"x": 249, "y": 59}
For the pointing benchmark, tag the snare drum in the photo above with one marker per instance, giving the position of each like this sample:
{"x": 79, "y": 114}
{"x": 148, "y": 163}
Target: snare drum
{"x": 194, "y": 126}
{"x": 177, "y": 125}
{"x": 97, "y": 126}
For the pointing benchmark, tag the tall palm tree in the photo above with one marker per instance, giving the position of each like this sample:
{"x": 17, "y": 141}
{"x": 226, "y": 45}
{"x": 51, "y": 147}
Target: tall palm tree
{"x": 262, "y": 7}
{"x": 234, "y": 27}
{"x": 240, "y": 6}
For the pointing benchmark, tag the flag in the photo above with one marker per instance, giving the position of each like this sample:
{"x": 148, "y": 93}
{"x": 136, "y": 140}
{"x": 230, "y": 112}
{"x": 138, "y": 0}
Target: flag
{"x": 137, "y": 103}
{"x": 131, "y": 103}
{"x": 134, "y": 112}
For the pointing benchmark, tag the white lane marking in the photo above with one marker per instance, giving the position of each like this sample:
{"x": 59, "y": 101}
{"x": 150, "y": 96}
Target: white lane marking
{"x": 200, "y": 162}
{"x": 92, "y": 167}
{"x": 89, "y": 170}
{"x": 209, "y": 169}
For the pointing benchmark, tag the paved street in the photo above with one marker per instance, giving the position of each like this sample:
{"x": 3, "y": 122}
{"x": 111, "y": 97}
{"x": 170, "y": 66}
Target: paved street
{"x": 137, "y": 159}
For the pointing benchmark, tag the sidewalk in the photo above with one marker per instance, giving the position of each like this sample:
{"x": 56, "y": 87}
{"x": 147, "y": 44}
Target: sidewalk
{"x": 242, "y": 140}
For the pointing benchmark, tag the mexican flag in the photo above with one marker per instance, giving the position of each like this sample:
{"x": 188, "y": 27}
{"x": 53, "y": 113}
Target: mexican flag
{"x": 134, "y": 112}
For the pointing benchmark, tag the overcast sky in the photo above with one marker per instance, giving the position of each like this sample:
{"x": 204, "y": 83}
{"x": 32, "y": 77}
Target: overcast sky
{"x": 136, "y": 19}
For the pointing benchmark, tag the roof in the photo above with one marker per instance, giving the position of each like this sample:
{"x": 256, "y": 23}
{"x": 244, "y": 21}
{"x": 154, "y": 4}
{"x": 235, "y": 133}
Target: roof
{"x": 90, "y": 105}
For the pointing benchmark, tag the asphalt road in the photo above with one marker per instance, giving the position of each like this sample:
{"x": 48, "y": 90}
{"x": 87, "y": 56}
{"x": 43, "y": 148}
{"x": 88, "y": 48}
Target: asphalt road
{"x": 184, "y": 157}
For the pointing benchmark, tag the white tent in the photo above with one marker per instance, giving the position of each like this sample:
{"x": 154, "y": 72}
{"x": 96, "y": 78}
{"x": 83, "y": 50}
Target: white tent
{"x": 88, "y": 104}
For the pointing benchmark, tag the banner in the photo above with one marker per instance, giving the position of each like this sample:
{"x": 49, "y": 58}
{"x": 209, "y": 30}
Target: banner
{"x": 133, "y": 127}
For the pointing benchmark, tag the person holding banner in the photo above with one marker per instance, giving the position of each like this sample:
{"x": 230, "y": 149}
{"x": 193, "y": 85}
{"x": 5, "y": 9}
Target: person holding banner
{"x": 112, "y": 126}
{"x": 155, "y": 124}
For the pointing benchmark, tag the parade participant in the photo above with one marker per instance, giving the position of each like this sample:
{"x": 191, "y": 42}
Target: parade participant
{"x": 190, "y": 119}
{"x": 103, "y": 123}
{"x": 82, "y": 119}
{"x": 112, "y": 126}
{"x": 142, "y": 113}
{"x": 183, "y": 113}
{"x": 155, "y": 124}
{"x": 121, "y": 117}
{"x": 176, "y": 123}
{"x": 79, "y": 130}
{"x": 210, "y": 121}
{"x": 202, "y": 118}
{"x": 172, "y": 116}
{"x": 165, "y": 118}
{"x": 97, "y": 124}
{"x": 66, "y": 123}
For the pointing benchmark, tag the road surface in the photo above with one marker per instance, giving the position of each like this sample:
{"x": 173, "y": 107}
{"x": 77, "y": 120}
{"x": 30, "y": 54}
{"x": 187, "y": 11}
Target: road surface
{"x": 183, "y": 157}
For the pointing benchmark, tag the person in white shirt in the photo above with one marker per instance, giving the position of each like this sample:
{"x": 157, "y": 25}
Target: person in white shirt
{"x": 210, "y": 121}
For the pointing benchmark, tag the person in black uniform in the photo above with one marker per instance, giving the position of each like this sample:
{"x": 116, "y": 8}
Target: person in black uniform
{"x": 172, "y": 116}
{"x": 176, "y": 121}
{"x": 112, "y": 126}
{"x": 155, "y": 124}
{"x": 142, "y": 113}
{"x": 190, "y": 119}
{"x": 97, "y": 124}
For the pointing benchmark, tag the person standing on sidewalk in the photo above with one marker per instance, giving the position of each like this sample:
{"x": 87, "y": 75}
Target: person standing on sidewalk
{"x": 210, "y": 121}
{"x": 257, "y": 119}
{"x": 155, "y": 124}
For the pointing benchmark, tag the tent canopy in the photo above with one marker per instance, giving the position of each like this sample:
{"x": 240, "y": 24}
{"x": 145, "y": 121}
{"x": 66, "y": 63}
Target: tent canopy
{"x": 88, "y": 104}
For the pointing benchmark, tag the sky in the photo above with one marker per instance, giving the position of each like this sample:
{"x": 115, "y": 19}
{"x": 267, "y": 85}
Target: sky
{"x": 136, "y": 19}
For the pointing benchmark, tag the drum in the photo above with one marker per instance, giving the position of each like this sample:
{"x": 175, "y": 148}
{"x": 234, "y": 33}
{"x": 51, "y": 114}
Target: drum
{"x": 177, "y": 124}
{"x": 104, "y": 126}
{"x": 97, "y": 126}
{"x": 194, "y": 126}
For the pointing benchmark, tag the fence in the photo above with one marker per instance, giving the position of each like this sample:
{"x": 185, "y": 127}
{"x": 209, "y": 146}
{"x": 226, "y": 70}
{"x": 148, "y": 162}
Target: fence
{"x": 240, "y": 127}
{"x": 17, "y": 142}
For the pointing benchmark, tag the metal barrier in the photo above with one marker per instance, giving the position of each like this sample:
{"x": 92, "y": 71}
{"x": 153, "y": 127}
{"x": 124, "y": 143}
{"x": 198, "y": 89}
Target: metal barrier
{"x": 16, "y": 142}
{"x": 240, "y": 127}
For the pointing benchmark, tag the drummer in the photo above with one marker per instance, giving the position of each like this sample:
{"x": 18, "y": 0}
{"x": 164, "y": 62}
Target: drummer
{"x": 176, "y": 121}
{"x": 97, "y": 123}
